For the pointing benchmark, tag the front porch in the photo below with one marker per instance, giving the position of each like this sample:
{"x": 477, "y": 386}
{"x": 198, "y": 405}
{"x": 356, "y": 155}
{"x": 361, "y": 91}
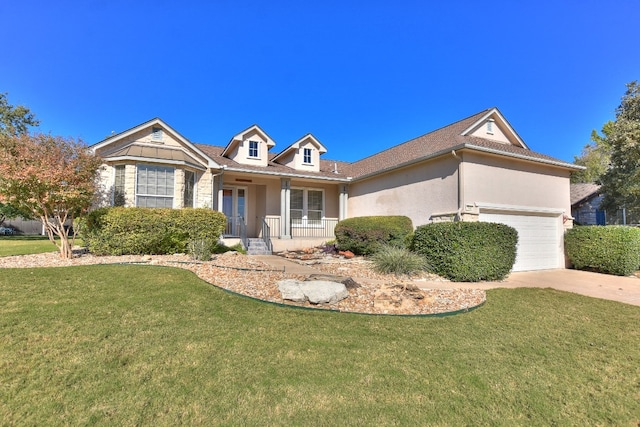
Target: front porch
{"x": 280, "y": 235}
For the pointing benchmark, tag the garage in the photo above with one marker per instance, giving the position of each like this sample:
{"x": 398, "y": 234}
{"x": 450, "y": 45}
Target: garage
{"x": 539, "y": 240}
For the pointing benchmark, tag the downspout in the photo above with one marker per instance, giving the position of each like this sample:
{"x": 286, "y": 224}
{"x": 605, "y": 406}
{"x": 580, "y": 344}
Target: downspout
{"x": 458, "y": 216}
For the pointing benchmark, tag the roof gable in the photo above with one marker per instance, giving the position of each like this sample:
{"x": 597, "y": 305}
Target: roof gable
{"x": 493, "y": 126}
{"x": 296, "y": 145}
{"x": 245, "y": 134}
{"x": 146, "y": 134}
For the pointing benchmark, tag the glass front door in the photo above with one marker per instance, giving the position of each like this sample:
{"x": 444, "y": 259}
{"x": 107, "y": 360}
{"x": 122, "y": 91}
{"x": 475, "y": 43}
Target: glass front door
{"x": 234, "y": 207}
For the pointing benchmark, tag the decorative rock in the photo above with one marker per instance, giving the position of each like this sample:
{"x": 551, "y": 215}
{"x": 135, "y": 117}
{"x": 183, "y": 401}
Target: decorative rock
{"x": 347, "y": 281}
{"x": 290, "y": 290}
{"x": 322, "y": 292}
{"x": 346, "y": 254}
{"x": 316, "y": 292}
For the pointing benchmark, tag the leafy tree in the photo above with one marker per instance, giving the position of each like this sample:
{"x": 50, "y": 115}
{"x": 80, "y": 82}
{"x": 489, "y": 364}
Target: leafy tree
{"x": 9, "y": 211}
{"x": 621, "y": 181}
{"x": 595, "y": 156}
{"x": 15, "y": 120}
{"x": 51, "y": 177}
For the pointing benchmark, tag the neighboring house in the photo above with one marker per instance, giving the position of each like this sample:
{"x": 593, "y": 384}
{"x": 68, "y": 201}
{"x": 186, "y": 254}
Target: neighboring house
{"x": 585, "y": 204}
{"x": 477, "y": 169}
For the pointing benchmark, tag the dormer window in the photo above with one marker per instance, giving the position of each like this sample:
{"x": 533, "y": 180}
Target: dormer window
{"x": 306, "y": 156}
{"x": 156, "y": 134}
{"x": 253, "y": 149}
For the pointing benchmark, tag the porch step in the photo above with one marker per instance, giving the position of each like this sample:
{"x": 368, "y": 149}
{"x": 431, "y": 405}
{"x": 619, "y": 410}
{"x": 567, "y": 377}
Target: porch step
{"x": 257, "y": 247}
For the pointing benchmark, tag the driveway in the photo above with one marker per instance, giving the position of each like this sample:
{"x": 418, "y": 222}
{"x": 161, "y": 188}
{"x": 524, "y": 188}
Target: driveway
{"x": 605, "y": 286}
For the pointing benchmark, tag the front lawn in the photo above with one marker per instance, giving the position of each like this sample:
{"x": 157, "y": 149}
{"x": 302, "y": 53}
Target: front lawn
{"x": 144, "y": 345}
{"x": 24, "y": 245}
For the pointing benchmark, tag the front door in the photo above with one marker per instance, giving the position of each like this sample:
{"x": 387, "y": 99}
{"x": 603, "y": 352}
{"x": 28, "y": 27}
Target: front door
{"x": 234, "y": 207}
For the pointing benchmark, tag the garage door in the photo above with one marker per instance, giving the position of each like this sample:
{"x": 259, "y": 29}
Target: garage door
{"x": 539, "y": 244}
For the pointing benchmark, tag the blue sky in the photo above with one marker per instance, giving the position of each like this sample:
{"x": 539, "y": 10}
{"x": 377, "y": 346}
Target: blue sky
{"x": 360, "y": 76}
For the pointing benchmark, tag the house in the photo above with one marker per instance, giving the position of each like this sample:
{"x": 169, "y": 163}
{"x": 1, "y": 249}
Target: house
{"x": 586, "y": 199}
{"x": 476, "y": 169}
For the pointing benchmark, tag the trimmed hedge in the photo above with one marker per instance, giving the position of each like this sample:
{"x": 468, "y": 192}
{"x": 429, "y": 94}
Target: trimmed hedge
{"x": 611, "y": 249}
{"x": 366, "y": 234}
{"x": 137, "y": 231}
{"x": 467, "y": 251}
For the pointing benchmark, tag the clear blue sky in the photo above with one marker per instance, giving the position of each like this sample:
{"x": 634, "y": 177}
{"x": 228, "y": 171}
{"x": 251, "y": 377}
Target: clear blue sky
{"x": 360, "y": 75}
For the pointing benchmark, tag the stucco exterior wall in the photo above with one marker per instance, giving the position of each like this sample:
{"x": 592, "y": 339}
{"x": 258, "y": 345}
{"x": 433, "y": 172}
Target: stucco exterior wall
{"x": 490, "y": 179}
{"x": 418, "y": 192}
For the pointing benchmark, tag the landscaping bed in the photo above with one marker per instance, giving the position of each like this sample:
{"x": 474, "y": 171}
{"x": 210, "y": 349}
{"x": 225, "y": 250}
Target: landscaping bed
{"x": 373, "y": 293}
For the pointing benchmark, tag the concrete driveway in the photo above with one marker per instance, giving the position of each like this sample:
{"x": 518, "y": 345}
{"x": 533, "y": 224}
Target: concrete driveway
{"x": 605, "y": 286}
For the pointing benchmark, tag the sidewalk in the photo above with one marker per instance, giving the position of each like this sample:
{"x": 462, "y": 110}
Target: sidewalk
{"x": 290, "y": 267}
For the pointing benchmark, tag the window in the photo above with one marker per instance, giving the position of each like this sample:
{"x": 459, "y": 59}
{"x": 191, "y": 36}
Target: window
{"x": 118, "y": 186}
{"x": 490, "y": 127}
{"x": 154, "y": 188}
{"x": 306, "y": 158}
{"x": 306, "y": 207}
{"x": 189, "y": 189}
{"x": 253, "y": 149}
{"x": 156, "y": 134}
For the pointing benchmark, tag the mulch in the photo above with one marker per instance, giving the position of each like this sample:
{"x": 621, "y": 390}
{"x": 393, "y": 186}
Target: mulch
{"x": 374, "y": 293}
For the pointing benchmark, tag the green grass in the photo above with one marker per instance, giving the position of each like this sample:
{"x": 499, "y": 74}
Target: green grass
{"x": 26, "y": 245}
{"x": 144, "y": 345}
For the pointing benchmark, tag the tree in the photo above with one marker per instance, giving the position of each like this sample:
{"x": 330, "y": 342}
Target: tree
{"x": 52, "y": 178}
{"x": 621, "y": 181}
{"x": 15, "y": 120}
{"x": 9, "y": 212}
{"x": 594, "y": 156}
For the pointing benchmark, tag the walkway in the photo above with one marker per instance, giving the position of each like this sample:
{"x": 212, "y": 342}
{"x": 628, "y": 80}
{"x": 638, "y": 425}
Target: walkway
{"x": 605, "y": 286}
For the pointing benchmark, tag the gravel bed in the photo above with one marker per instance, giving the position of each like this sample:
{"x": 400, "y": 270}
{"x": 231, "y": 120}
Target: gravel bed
{"x": 377, "y": 293}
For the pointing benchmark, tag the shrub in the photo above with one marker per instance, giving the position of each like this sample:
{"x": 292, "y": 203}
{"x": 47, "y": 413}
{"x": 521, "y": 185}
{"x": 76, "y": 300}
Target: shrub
{"x": 366, "y": 234}
{"x": 467, "y": 251}
{"x": 121, "y": 231}
{"x": 394, "y": 260}
{"x": 611, "y": 249}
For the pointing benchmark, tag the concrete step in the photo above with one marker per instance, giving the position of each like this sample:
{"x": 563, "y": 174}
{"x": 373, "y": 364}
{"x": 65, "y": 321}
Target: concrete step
{"x": 257, "y": 247}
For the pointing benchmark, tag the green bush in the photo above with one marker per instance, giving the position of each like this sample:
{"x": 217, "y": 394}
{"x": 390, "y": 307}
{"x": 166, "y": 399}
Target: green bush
{"x": 393, "y": 260}
{"x": 611, "y": 249}
{"x": 123, "y": 231}
{"x": 366, "y": 234}
{"x": 467, "y": 251}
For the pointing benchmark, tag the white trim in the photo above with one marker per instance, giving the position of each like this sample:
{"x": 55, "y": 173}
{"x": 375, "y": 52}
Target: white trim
{"x": 522, "y": 209}
{"x": 287, "y": 175}
{"x": 504, "y": 121}
{"x": 155, "y": 161}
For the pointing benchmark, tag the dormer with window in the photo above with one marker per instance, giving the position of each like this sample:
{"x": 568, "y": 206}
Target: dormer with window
{"x": 302, "y": 155}
{"x": 250, "y": 147}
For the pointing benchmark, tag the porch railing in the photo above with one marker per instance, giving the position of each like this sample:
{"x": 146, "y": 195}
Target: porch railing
{"x": 236, "y": 227}
{"x": 266, "y": 234}
{"x": 313, "y": 227}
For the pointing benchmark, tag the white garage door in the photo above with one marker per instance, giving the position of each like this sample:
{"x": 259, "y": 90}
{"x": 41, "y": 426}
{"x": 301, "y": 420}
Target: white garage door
{"x": 539, "y": 244}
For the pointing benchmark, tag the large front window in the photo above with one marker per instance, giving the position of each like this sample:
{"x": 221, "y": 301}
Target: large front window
{"x": 189, "y": 188}
{"x": 154, "y": 186}
{"x": 118, "y": 186}
{"x": 307, "y": 207}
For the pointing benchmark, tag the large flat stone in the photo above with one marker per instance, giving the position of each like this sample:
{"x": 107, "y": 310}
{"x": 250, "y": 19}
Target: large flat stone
{"x": 290, "y": 290}
{"x": 324, "y": 292}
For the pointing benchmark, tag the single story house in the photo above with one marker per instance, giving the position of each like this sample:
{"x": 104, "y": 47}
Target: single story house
{"x": 476, "y": 169}
{"x": 586, "y": 199}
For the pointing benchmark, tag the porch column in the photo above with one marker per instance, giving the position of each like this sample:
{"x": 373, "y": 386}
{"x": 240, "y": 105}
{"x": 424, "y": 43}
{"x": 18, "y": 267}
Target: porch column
{"x": 285, "y": 205}
{"x": 344, "y": 199}
{"x": 216, "y": 191}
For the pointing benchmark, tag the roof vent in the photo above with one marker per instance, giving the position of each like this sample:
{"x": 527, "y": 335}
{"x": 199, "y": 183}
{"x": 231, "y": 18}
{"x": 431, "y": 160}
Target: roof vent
{"x": 490, "y": 126}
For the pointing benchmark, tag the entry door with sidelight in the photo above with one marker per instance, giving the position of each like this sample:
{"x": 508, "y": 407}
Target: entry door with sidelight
{"x": 234, "y": 207}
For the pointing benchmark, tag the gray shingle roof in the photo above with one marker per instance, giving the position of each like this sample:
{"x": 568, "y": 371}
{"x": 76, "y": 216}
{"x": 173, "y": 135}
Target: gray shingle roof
{"x": 582, "y": 191}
